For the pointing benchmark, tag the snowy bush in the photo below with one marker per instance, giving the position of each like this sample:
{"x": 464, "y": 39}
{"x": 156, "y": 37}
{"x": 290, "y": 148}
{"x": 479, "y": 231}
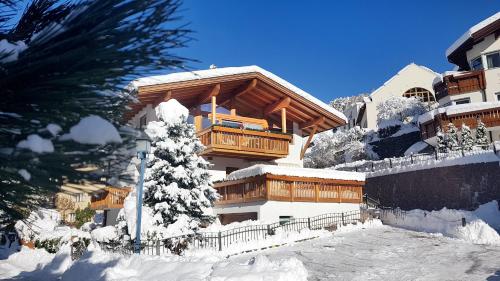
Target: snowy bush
{"x": 401, "y": 109}
{"x": 481, "y": 134}
{"x": 178, "y": 192}
{"x": 341, "y": 103}
{"x": 466, "y": 136}
{"x": 341, "y": 146}
{"x": 451, "y": 137}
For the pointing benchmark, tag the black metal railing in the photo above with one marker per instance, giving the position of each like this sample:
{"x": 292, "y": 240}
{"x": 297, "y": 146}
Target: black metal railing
{"x": 221, "y": 240}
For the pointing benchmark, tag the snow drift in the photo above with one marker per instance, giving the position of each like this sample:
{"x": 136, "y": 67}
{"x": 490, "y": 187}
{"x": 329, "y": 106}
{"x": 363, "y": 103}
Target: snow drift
{"x": 448, "y": 222}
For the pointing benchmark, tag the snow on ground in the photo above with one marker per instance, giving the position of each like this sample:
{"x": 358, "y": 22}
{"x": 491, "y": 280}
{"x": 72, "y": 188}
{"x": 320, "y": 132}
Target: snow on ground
{"x": 261, "y": 169}
{"x": 96, "y": 265}
{"x": 388, "y": 253}
{"x": 448, "y": 222}
{"x": 93, "y": 129}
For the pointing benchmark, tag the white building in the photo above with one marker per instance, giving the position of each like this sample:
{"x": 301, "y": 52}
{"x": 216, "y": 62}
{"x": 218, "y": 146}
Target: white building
{"x": 411, "y": 81}
{"x": 472, "y": 92}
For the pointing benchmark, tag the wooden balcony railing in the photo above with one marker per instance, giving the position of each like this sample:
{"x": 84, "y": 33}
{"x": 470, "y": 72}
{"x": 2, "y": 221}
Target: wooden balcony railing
{"x": 490, "y": 118}
{"x": 109, "y": 198}
{"x": 244, "y": 143}
{"x": 289, "y": 189}
{"x": 457, "y": 84}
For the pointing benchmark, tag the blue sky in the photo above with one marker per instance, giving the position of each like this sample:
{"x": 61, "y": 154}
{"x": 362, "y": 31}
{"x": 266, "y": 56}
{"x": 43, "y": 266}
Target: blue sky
{"x": 329, "y": 48}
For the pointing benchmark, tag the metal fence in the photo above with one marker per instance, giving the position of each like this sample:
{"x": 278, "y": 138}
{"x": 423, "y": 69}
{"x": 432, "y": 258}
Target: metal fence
{"x": 218, "y": 241}
{"x": 401, "y": 215}
{"x": 413, "y": 159}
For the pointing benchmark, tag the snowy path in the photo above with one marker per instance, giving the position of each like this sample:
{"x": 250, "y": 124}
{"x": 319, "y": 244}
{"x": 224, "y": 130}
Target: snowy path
{"x": 388, "y": 253}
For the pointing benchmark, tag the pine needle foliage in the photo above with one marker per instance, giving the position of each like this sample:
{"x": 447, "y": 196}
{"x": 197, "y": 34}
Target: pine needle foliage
{"x": 61, "y": 61}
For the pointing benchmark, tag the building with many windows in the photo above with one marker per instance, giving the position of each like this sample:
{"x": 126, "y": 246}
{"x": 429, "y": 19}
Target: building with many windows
{"x": 472, "y": 92}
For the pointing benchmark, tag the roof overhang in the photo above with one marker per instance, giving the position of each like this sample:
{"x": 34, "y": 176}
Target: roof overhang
{"x": 249, "y": 92}
{"x": 456, "y": 53}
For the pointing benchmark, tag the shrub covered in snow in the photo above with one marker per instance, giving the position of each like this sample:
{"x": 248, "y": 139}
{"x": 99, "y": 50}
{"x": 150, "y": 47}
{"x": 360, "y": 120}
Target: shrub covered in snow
{"x": 401, "y": 109}
{"x": 466, "y": 136}
{"x": 178, "y": 192}
{"x": 338, "y": 147}
{"x": 451, "y": 137}
{"x": 481, "y": 134}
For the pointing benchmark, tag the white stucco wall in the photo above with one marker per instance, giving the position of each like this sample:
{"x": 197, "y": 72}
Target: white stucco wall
{"x": 410, "y": 76}
{"x": 473, "y": 96}
{"x": 293, "y": 158}
{"x": 271, "y": 210}
{"x": 490, "y": 44}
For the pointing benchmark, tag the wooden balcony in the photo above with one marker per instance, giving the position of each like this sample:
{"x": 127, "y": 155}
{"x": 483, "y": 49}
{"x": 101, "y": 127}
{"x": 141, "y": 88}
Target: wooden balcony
{"x": 109, "y": 198}
{"x": 244, "y": 143}
{"x": 466, "y": 82}
{"x": 290, "y": 189}
{"x": 490, "y": 117}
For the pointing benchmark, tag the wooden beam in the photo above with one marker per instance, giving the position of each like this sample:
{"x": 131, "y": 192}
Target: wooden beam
{"x": 283, "y": 119}
{"x": 198, "y": 119}
{"x": 163, "y": 97}
{"x": 243, "y": 91}
{"x": 204, "y": 98}
{"x": 314, "y": 122}
{"x": 283, "y": 103}
{"x": 308, "y": 142}
{"x": 214, "y": 109}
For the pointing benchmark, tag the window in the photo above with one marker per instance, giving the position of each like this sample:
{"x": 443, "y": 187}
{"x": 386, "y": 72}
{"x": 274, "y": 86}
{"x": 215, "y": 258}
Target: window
{"x": 493, "y": 60}
{"x": 143, "y": 121}
{"x": 285, "y": 219}
{"x": 476, "y": 64}
{"x": 462, "y": 101}
{"x": 498, "y": 96}
{"x": 420, "y": 93}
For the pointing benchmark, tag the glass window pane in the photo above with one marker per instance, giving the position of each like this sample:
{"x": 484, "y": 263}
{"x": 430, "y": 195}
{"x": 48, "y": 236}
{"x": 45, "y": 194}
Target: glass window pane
{"x": 493, "y": 60}
{"x": 477, "y": 64}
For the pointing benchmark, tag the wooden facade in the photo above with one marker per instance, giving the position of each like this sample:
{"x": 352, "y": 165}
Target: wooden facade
{"x": 243, "y": 143}
{"x": 109, "y": 198}
{"x": 490, "y": 118}
{"x": 290, "y": 189}
{"x": 465, "y": 82}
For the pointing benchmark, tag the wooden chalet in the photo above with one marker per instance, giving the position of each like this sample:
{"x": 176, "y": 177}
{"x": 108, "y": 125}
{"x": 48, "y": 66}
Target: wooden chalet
{"x": 246, "y": 116}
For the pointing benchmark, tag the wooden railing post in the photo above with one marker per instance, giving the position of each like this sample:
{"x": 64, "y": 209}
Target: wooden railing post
{"x": 316, "y": 192}
{"x": 291, "y": 188}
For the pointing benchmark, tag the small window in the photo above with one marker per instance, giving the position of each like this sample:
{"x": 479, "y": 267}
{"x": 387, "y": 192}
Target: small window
{"x": 493, "y": 60}
{"x": 285, "y": 219}
{"x": 477, "y": 63}
{"x": 143, "y": 121}
{"x": 498, "y": 96}
{"x": 462, "y": 101}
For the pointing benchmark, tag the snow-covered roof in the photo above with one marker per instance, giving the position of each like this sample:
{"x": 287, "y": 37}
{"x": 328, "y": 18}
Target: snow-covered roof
{"x": 468, "y": 34}
{"x": 402, "y": 71}
{"x": 225, "y": 71}
{"x": 261, "y": 169}
{"x": 457, "y": 109}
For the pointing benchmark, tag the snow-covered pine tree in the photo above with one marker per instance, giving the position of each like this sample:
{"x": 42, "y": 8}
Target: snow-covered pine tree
{"x": 467, "y": 139}
{"x": 62, "y": 61}
{"x": 451, "y": 136}
{"x": 481, "y": 134}
{"x": 177, "y": 184}
{"x": 441, "y": 141}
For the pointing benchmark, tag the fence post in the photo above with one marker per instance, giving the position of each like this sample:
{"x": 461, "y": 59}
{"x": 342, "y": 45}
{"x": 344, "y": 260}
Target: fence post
{"x": 390, "y": 162}
{"x": 219, "y": 239}
{"x": 157, "y": 247}
{"x": 269, "y": 229}
{"x": 343, "y": 223}
{"x": 356, "y": 167}
{"x": 411, "y": 157}
{"x": 463, "y": 153}
{"x": 464, "y": 223}
{"x": 309, "y": 223}
{"x": 372, "y": 166}
{"x": 436, "y": 153}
